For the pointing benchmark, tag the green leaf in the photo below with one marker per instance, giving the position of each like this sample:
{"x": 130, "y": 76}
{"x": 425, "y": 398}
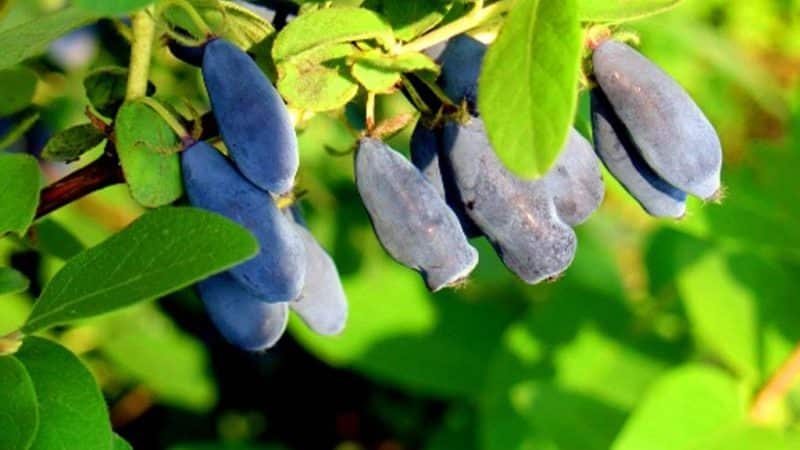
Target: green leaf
{"x": 405, "y": 62}
{"x": 105, "y": 89}
{"x": 70, "y": 144}
{"x": 72, "y": 411}
{"x": 19, "y": 85}
{"x": 330, "y": 26}
{"x": 19, "y": 192}
{"x": 146, "y": 345}
{"x": 19, "y": 415}
{"x": 529, "y": 84}
{"x": 457, "y": 431}
{"x": 621, "y": 10}
{"x": 411, "y": 18}
{"x": 318, "y": 80}
{"x": 437, "y": 336}
{"x": 687, "y": 408}
{"x": 22, "y": 122}
{"x": 147, "y": 149}
{"x": 12, "y": 281}
{"x": 375, "y": 79}
{"x": 121, "y": 444}
{"x": 164, "y": 250}
{"x": 31, "y": 38}
{"x": 111, "y": 6}
{"x": 52, "y": 238}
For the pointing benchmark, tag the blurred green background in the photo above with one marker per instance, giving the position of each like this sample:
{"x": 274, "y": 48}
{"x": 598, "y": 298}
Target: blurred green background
{"x": 657, "y": 337}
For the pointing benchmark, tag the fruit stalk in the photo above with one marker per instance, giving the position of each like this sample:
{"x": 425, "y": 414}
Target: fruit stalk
{"x": 144, "y": 30}
{"x": 776, "y": 388}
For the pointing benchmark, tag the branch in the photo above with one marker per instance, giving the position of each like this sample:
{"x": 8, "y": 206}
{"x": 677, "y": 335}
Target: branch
{"x": 102, "y": 172}
{"x": 776, "y": 388}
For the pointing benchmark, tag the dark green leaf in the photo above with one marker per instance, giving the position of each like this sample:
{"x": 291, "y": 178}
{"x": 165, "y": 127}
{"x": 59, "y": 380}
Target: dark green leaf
{"x": 529, "y": 84}
{"x": 147, "y": 149}
{"x": 12, "y": 281}
{"x": 19, "y": 416}
{"x": 163, "y": 251}
{"x": 330, "y": 26}
{"x": 105, "y": 89}
{"x": 29, "y": 39}
{"x": 621, "y": 10}
{"x": 22, "y": 122}
{"x": 19, "y": 192}
{"x": 18, "y": 87}
{"x": 70, "y": 144}
{"x": 72, "y": 411}
{"x": 52, "y": 238}
{"x": 111, "y": 6}
{"x": 411, "y": 18}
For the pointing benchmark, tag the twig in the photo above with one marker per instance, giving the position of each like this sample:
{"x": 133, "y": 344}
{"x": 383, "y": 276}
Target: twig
{"x": 776, "y": 388}
{"x": 102, "y": 172}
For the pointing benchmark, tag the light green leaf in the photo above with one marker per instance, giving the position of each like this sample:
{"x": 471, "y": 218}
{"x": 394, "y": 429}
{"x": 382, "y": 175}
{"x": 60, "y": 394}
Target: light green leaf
{"x": 311, "y": 86}
{"x": 30, "y": 39}
{"x": 375, "y": 79}
{"x": 12, "y": 281}
{"x": 164, "y": 250}
{"x": 71, "y": 143}
{"x": 19, "y": 192}
{"x": 686, "y": 409}
{"x": 437, "y": 334}
{"x": 147, "y": 149}
{"x": 330, "y": 26}
{"x": 19, "y": 85}
{"x": 405, "y": 62}
{"x": 72, "y": 411}
{"x": 147, "y": 346}
{"x": 621, "y": 10}
{"x": 411, "y": 18}
{"x": 111, "y": 6}
{"x": 19, "y": 415}
{"x": 529, "y": 84}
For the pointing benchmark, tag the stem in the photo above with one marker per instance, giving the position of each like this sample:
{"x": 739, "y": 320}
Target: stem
{"x": 170, "y": 119}
{"x": 194, "y": 16}
{"x": 477, "y": 17}
{"x": 370, "y": 111}
{"x": 10, "y": 343}
{"x": 102, "y": 172}
{"x": 144, "y": 31}
{"x": 776, "y": 388}
{"x": 418, "y": 102}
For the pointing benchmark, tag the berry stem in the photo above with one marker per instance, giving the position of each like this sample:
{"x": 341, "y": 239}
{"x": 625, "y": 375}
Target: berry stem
{"x": 477, "y": 17}
{"x": 776, "y": 388}
{"x": 144, "y": 30}
{"x": 187, "y": 7}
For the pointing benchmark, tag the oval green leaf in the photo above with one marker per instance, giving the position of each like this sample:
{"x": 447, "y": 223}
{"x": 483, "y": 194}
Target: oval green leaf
{"x": 164, "y": 250}
{"x": 330, "y": 26}
{"x": 621, "y": 10}
{"x": 12, "y": 282}
{"x": 19, "y": 192}
{"x": 31, "y": 38}
{"x": 121, "y": 444}
{"x": 72, "y": 411}
{"x": 147, "y": 149}
{"x": 529, "y": 84}
{"x": 411, "y": 18}
{"x": 70, "y": 144}
{"x": 19, "y": 415}
{"x": 313, "y": 86}
{"x": 18, "y": 87}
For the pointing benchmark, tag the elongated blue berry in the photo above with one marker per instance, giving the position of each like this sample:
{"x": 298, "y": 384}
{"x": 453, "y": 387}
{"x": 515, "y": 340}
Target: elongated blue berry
{"x": 252, "y": 117}
{"x": 620, "y": 155}
{"x": 518, "y": 217}
{"x": 669, "y": 129}
{"x": 276, "y": 274}
{"x": 243, "y": 319}
{"x": 410, "y": 218}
